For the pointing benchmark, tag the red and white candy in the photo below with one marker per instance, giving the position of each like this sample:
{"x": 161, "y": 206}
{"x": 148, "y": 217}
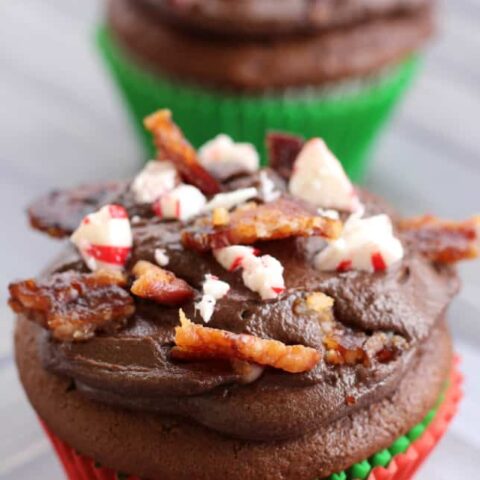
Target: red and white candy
{"x": 263, "y": 275}
{"x": 213, "y": 290}
{"x": 182, "y": 203}
{"x": 366, "y": 244}
{"x": 318, "y": 177}
{"x": 222, "y": 149}
{"x": 104, "y": 238}
{"x": 156, "y": 179}
{"x": 232, "y": 258}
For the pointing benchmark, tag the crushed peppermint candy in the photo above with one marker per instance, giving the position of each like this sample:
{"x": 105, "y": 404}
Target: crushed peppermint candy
{"x": 182, "y": 203}
{"x": 161, "y": 257}
{"x": 328, "y": 213}
{"x": 222, "y": 149}
{"x": 231, "y": 199}
{"x": 268, "y": 190}
{"x": 213, "y": 290}
{"x": 318, "y": 177}
{"x": 366, "y": 244}
{"x": 104, "y": 238}
{"x": 263, "y": 275}
{"x": 157, "y": 178}
{"x": 231, "y": 258}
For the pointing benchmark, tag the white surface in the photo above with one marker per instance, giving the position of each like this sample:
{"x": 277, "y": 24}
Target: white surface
{"x": 62, "y": 124}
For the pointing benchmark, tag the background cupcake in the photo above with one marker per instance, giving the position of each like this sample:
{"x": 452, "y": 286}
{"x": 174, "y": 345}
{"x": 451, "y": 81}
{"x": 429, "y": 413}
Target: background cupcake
{"x": 313, "y": 68}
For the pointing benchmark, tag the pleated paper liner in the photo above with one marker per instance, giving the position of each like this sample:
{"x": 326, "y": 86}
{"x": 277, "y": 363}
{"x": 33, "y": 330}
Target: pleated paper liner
{"x": 398, "y": 462}
{"x": 348, "y": 117}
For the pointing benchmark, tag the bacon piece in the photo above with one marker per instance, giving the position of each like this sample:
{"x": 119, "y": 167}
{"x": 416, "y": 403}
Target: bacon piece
{"x": 443, "y": 241}
{"x": 161, "y": 286}
{"x": 282, "y": 218}
{"x": 72, "y": 305}
{"x": 172, "y": 145}
{"x": 283, "y": 149}
{"x": 60, "y": 212}
{"x": 195, "y": 342}
{"x": 344, "y": 351}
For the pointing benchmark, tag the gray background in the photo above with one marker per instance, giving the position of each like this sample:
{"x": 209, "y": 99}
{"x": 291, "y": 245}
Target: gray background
{"x": 61, "y": 124}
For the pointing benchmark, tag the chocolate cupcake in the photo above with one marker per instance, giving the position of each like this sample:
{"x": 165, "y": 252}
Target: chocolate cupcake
{"x": 322, "y": 67}
{"x": 215, "y": 320}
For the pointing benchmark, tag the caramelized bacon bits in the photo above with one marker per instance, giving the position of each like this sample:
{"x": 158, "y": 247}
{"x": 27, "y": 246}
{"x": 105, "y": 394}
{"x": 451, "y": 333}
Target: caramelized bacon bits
{"x": 250, "y": 223}
{"x": 443, "y": 241}
{"x": 161, "y": 286}
{"x": 173, "y": 146}
{"x": 195, "y": 342}
{"x": 60, "y": 212}
{"x": 340, "y": 351}
{"x": 283, "y": 149}
{"x": 72, "y": 305}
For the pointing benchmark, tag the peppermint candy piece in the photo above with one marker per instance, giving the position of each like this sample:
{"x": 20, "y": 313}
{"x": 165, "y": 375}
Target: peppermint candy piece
{"x": 213, "y": 290}
{"x": 222, "y": 149}
{"x": 161, "y": 257}
{"x": 318, "y": 177}
{"x": 182, "y": 203}
{"x": 156, "y": 179}
{"x": 268, "y": 189}
{"x": 232, "y": 258}
{"x": 263, "y": 275}
{"x": 104, "y": 238}
{"x": 366, "y": 244}
{"x": 231, "y": 199}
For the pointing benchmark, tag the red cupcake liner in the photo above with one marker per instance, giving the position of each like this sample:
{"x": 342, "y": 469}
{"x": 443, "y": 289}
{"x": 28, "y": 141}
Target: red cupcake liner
{"x": 402, "y": 466}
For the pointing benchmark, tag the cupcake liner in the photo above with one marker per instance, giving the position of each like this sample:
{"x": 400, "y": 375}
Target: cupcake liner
{"x": 398, "y": 462}
{"x": 348, "y": 117}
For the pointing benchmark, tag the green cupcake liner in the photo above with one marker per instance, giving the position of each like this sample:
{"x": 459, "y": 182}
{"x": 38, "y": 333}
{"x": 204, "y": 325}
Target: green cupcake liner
{"x": 348, "y": 117}
{"x": 361, "y": 470}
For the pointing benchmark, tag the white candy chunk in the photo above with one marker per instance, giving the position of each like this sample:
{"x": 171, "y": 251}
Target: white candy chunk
{"x": 182, "y": 203}
{"x": 328, "y": 213}
{"x": 268, "y": 189}
{"x": 231, "y": 258}
{"x": 263, "y": 275}
{"x": 222, "y": 149}
{"x": 229, "y": 200}
{"x": 156, "y": 179}
{"x": 318, "y": 177}
{"x": 104, "y": 238}
{"x": 213, "y": 290}
{"x": 215, "y": 287}
{"x": 366, "y": 244}
{"x": 161, "y": 257}
{"x": 206, "y": 307}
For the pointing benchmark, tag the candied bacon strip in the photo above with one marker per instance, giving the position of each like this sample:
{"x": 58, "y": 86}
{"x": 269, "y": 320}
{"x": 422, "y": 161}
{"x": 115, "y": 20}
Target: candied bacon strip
{"x": 60, "y": 212}
{"x": 161, "y": 286}
{"x": 443, "y": 241}
{"x": 173, "y": 146}
{"x": 72, "y": 305}
{"x": 282, "y": 218}
{"x": 196, "y": 342}
{"x": 283, "y": 149}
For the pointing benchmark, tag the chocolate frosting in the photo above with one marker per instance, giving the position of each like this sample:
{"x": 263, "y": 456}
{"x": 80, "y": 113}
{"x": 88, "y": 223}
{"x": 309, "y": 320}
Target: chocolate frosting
{"x": 132, "y": 368}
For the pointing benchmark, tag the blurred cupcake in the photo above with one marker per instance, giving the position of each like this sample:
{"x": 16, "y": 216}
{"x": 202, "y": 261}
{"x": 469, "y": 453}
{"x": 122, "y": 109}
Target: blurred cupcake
{"x": 327, "y": 68}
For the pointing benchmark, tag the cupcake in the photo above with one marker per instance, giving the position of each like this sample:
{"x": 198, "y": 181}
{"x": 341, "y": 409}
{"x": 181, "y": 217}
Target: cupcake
{"x": 213, "y": 320}
{"x": 334, "y": 69}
